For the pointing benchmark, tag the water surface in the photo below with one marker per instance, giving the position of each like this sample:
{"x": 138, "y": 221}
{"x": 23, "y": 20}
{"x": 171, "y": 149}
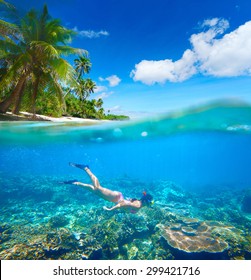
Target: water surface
{"x": 195, "y": 163}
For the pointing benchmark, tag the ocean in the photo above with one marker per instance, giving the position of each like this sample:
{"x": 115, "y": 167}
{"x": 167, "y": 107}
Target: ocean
{"x": 195, "y": 163}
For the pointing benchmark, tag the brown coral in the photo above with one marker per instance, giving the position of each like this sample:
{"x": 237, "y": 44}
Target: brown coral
{"x": 196, "y": 236}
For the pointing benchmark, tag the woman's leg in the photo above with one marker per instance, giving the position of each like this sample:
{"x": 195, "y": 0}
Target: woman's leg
{"x": 113, "y": 196}
{"x": 94, "y": 179}
{"x": 86, "y": 186}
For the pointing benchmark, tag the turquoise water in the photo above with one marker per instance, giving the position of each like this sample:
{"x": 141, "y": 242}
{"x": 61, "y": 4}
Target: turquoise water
{"x": 195, "y": 163}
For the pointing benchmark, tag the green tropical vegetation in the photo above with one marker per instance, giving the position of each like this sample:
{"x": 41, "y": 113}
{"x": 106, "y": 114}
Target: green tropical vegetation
{"x": 34, "y": 74}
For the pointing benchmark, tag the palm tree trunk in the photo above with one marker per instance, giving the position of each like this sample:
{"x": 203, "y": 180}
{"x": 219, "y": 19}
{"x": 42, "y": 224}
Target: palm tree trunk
{"x": 4, "y": 106}
{"x": 34, "y": 95}
{"x": 18, "y": 101}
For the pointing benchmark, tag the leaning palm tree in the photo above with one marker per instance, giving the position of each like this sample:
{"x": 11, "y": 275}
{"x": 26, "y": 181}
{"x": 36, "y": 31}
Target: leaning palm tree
{"x": 36, "y": 57}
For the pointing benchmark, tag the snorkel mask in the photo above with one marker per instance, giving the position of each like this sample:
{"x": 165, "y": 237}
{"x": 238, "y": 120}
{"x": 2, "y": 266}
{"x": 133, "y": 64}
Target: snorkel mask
{"x": 147, "y": 199}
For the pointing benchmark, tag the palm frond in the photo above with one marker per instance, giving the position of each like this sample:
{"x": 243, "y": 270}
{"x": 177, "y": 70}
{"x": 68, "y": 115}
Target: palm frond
{"x": 67, "y": 50}
{"x": 8, "y": 46}
{"x": 59, "y": 92}
{"x": 56, "y": 33}
{"x": 63, "y": 70}
{"x": 43, "y": 49}
{"x": 53, "y": 86}
{"x": 8, "y": 5}
{"x": 18, "y": 68}
{"x": 8, "y": 29}
{"x": 30, "y": 26}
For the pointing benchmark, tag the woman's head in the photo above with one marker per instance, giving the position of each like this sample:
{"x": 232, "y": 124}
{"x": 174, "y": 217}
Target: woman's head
{"x": 146, "y": 199}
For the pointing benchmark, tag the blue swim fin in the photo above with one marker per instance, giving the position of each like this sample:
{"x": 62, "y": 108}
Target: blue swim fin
{"x": 81, "y": 166}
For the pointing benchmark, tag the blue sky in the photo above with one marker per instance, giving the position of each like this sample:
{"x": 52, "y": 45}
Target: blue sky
{"x": 155, "y": 56}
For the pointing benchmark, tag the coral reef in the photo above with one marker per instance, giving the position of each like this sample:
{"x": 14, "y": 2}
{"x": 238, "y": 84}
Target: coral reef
{"x": 5, "y": 233}
{"x": 58, "y": 221}
{"x": 67, "y": 223}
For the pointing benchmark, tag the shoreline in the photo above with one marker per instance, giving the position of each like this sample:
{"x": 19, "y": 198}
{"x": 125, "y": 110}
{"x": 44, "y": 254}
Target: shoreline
{"x": 25, "y": 116}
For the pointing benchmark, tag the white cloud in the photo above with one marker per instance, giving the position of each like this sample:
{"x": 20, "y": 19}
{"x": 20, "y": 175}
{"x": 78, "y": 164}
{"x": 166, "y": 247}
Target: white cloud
{"x": 99, "y": 89}
{"x": 220, "y": 24}
{"x": 101, "y": 79}
{"x": 150, "y": 72}
{"x": 104, "y": 95}
{"x": 227, "y": 56}
{"x": 90, "y": 33}
{"x": 113, "y": 80}
{"x": 104, "y": 90}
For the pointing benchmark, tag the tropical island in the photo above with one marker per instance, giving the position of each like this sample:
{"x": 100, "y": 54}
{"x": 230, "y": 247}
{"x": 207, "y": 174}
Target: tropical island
{"x": 36, "y": 77}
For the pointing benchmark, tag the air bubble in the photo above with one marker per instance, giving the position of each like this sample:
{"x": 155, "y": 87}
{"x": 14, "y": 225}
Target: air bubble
{"x": 144, "y": 134}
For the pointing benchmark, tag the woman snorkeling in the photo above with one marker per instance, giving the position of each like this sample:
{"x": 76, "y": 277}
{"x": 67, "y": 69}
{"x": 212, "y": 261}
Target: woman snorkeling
{"x": 131, "y": 205}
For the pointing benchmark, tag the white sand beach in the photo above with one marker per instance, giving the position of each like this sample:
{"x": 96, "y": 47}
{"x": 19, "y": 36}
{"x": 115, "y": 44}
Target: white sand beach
{"x": 25, "y": 116}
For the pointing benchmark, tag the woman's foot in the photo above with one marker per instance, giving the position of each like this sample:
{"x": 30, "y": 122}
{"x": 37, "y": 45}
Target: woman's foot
{"x": 81, "y": 166}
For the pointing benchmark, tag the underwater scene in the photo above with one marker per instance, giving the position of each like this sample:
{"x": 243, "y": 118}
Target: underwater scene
{"x": 196, "y": 164}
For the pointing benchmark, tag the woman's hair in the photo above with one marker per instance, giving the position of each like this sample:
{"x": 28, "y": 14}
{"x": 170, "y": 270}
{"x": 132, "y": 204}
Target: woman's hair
{"x": 146, "y": 199}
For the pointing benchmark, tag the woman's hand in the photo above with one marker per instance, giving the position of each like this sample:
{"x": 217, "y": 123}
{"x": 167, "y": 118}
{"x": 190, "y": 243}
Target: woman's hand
{"x": 105, "y": 208}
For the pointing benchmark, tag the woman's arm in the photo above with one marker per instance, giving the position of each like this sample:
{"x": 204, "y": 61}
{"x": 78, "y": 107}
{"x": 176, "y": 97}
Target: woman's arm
{"x": 133, "y": 206}
{"x": 112, "y": 208}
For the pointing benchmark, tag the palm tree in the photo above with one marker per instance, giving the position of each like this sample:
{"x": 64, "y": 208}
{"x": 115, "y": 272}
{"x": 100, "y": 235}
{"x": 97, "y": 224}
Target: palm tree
{"x": 80, "y": 90}
{"x": 99, "y": 103}
{"x": 82, "y": 65}
{"x": 84, "y": 88}
{"x": 100, "y": 113}
{"x": 89, "y": 109}
{"x": 36, "y": 57}
{"x": 89, "y": 86}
